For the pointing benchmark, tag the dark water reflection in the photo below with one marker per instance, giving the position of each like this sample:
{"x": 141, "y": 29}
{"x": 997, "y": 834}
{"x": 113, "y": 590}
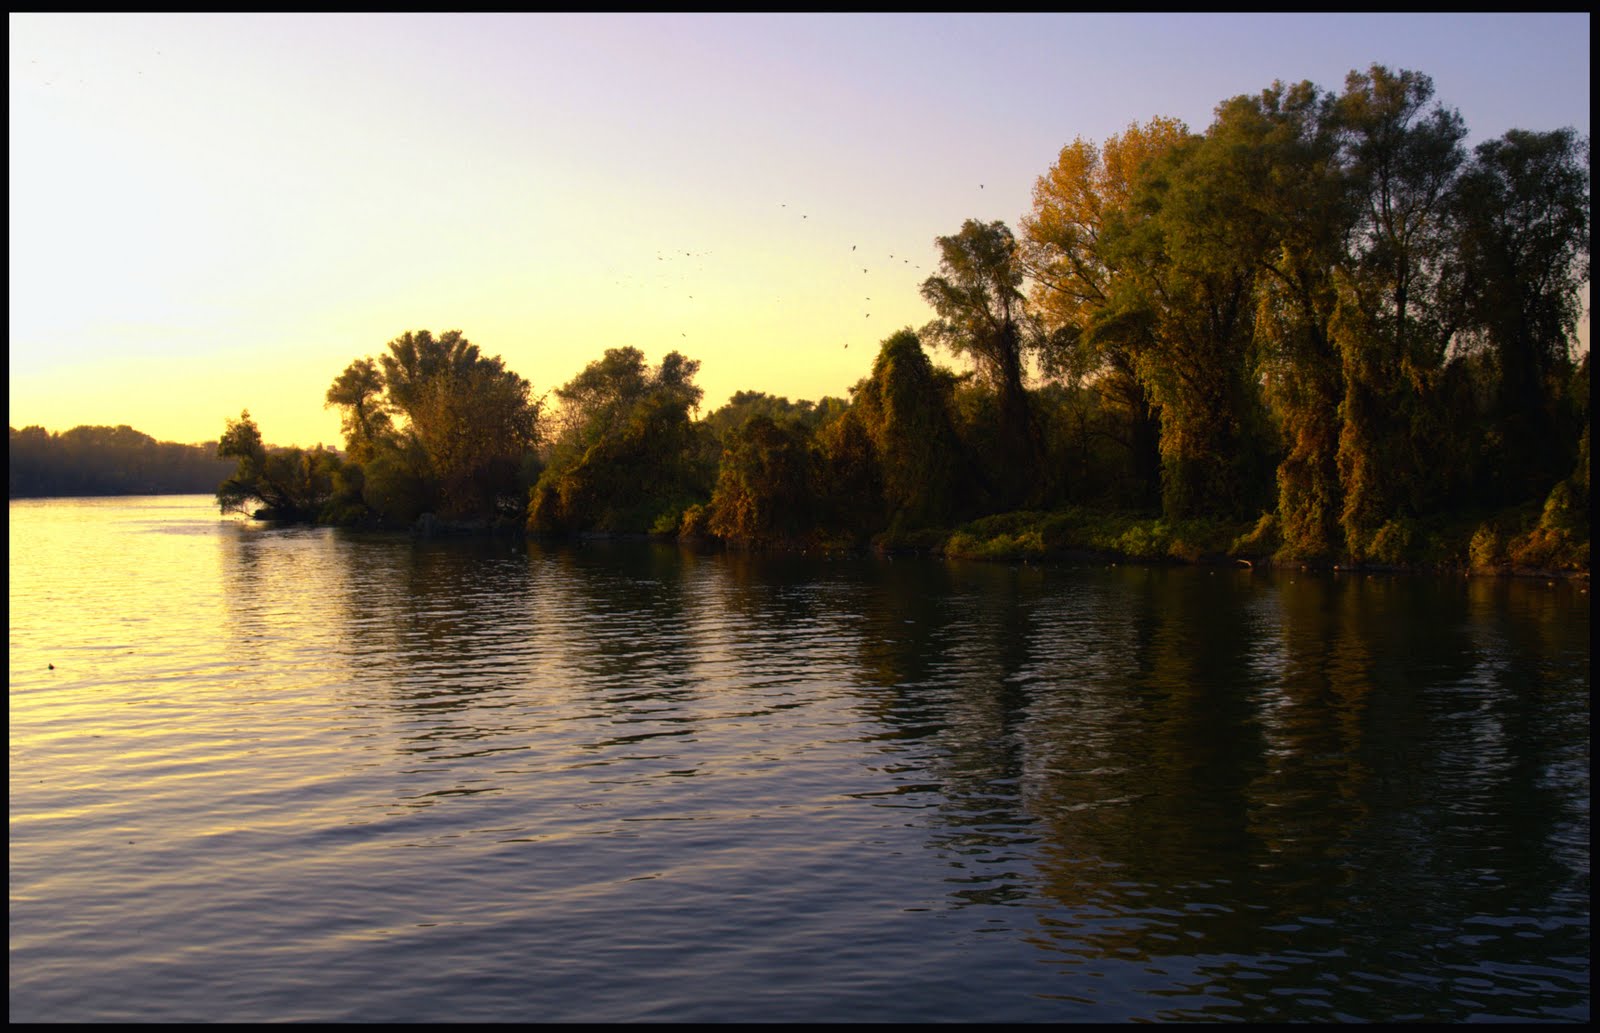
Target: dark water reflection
{"x": 625, "y": 781}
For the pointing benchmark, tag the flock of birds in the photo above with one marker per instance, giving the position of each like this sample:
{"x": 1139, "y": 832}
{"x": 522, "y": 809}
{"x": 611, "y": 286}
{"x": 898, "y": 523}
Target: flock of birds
{"x": 689, "y": 263}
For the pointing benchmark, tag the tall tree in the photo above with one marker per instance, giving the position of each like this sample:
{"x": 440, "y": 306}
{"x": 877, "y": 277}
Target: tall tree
{"x": 1186, "y": 251}
{"x": 1071, "y": 273}
{"x": 468, "y": 426}
{"x": 1287, "y": 144}
{"x": 1522, "y": 237}
{"x": 366, "y": 422}
{"x": 1392, "y": 323}
{"x": 984, "y": 316}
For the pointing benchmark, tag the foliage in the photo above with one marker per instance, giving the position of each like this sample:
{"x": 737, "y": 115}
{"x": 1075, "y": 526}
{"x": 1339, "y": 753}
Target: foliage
{"x": 904, "y": 410}
{"x": 1074, "y": 279}
{"x": 984, "y": 316}
{"x": 628, "y": 457}
{"x": 763, "y": 492}
{"x": 1316, "y": 332}
{"x": 1521, "y": 241}
{"x": 290, "y": 483}
{"x": 441, "y": 428}
{"x": 1392, "y": 321}
{"x": 98, "y": 460}
{"x": 847, "y": 490}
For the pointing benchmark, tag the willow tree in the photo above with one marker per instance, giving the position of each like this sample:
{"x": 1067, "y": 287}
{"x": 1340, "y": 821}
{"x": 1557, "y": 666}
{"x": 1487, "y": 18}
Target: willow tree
{"x": 1522, "y": 237}
{"x": 1072, "y": 276}
{"x": 290, "y": 483}
{"x": 1393, "y": 322}
{"x": 1186, "y": 253}
{"x": 983, "y": 315}
{"x": 1286, "y": 146}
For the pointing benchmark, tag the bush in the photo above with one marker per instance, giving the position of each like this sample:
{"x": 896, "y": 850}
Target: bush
{"x": 1262, "y": 540}
{"x": 1391, "y": 543}
{"x": 695, "y": 522}
{"x": 1484, "y": 551}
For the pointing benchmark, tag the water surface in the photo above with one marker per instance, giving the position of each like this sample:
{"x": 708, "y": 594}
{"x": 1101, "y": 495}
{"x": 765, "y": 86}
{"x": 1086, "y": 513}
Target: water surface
{"x": 302, "y": 774}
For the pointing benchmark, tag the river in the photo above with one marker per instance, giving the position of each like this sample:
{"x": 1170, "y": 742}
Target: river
{"x": 296, "y": 774}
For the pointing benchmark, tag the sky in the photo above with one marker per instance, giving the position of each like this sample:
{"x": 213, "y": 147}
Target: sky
{"x": 212, "y": 213}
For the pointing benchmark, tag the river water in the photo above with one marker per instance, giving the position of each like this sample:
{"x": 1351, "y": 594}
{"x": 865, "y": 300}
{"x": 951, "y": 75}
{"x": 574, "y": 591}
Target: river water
{"x": 301, "y": 774}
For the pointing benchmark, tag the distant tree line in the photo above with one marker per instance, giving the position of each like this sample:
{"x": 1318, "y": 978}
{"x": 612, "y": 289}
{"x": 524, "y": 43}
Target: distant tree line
{"x": 1321, "y": 319}
{"x": 108, "y": 461}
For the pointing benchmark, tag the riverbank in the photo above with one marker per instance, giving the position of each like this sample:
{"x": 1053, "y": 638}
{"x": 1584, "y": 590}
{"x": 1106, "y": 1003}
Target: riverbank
{"x": 1518, "y": 542}
{"x": 1515, "y": 542}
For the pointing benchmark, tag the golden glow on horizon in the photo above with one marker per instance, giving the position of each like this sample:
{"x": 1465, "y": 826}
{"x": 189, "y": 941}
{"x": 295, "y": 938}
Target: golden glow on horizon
{"x": 213, "y": 213}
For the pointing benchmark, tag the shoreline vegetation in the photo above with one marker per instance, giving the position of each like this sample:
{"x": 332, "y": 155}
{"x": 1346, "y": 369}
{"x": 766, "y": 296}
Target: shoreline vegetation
{"x": 1320, "y": 334}
{"x": 99, "y": 460}
{"x": 1455, "y": 547}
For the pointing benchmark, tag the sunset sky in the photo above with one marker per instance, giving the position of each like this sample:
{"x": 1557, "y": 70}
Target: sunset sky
{"x": 218, "y": 212}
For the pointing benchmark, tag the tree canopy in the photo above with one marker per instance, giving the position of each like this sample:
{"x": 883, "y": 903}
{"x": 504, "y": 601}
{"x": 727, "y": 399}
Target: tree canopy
{"x": 1320, "y": 317}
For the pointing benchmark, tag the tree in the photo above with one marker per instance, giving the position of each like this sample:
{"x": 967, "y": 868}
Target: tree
{"x": 627, "y": 458}
{"x": 1185, "y": 249}
{"x": 904, "y": 409}
{"x": 366, "y": 423}
{"x": 467, "y": 428}
{"x": 1392, "y": 321}
{"x": 1303, "y": 215}
{"x": 1072, "y": 276}
{"x": 1522, "y": 238}
{"x": 764, "y": 485}
{"x": 291, "y": 483}
{"x": 983, "y": 315}
{"x": 476, "y": 426}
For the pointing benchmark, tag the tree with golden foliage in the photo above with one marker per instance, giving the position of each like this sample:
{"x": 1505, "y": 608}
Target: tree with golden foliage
{"x": 1072, "y": 275}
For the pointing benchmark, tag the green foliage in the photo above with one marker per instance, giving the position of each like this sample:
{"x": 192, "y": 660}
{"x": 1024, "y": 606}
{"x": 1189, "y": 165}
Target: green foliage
{"x": 1391, "y": 544}
{"x": 1315, "y": 332}
{"x": 396, "y": 486}
{"x": 695, "y": 522}
{"x": 1393, "y": 320}
{"x": 1186, "y": 251}
{"x": 1521, "y": 239}
{"x": 1025, "y": 545}
{"x": 746, "y": 404}
{"x": 1307, "y": 296}
{"x": 763, "y": 493}
{"x": 984, "y": 316}
{"x": 1263, "y": 540}
{"x": 904, "y": 410}
{"x": 847, "y": 489}
{"x": 628, "y": 458}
